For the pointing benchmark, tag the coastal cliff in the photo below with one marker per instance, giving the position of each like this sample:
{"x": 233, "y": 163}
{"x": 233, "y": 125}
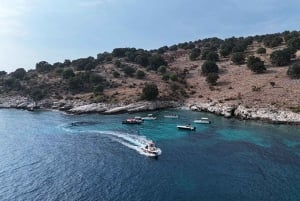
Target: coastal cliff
{"x": 269, "y": 114}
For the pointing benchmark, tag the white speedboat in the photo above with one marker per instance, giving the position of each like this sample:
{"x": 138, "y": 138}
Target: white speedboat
{"x": 172, "y": 116}
{"x": 151, "y": 150}
{"x": 138, "y": 118}
{"x": 202, "y": 120}
{"x": 132, "y": 121}
{"x": 149, "y": 117}
{"x": 186, "y": 127}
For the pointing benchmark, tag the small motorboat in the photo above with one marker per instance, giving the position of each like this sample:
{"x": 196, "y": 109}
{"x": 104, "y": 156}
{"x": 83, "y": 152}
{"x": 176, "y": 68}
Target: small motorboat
{"x": 172, "y": 116}
{"x": 149, "y": 117}
{"x": 138, "y": 118}
{"x": 203, "y": 120}
{"x": 151, "y": 150}
{"x": 132, "y": 121}
{"x": 186, "y": 127}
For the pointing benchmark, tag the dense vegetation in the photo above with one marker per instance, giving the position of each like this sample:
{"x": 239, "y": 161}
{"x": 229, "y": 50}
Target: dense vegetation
{"x": 136, "y": 68}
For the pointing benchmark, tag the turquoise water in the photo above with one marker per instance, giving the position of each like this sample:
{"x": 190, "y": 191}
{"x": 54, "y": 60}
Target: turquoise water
{"x": 54, "y": 156}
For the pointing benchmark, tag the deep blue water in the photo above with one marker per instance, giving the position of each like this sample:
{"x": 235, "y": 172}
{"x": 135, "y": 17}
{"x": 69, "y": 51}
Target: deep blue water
{"x": 54, "y": 156}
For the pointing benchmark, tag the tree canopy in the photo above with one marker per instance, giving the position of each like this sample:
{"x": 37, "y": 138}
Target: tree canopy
{"x": 280, "y": 57}
{"x": 212, "y": 78}
{"x": 209, "y": 67}
{"x": 20, "y": 73}
{"x": 150, "y": 91}
{"x": 294, "y": 71}
{"x": 255, "y": 64}
{"x": 238, "y": 58}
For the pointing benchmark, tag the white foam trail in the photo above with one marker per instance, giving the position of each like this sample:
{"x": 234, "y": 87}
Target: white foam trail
{"x": 134, "y": 147}
{"x": 134, "y": 142}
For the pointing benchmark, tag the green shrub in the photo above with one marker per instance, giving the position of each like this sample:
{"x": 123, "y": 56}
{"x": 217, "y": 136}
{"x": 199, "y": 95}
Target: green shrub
{"x": 166, "y": 77}
{"x": 43, "y": 66}
{"x": 294, "y": 71}
{"x": 2, "y": 73}
{"x": 280, "y": 57}
{"x": 95, "y": 78}
{"x": 173, "y": 48}
{"x": 261, "y": 50}
{"x": 20, "y": 73}
{"x": 59, "y": 71}
{"x": 272, "y": 41}
{"x": 98, "y": 89}
{"x": 81, "y": 64}
{"x": 210, "y": 55}
{"x": 212, "y": 78}
{"x": 37, "y": 94}
{"x": 162, "y": 69}
{"x": 150, "y": 91}
{"x": 294, "y": 43}
{"x": 116, "y": 74}
{"x": 12, "y": 83}
{"x": 195, "y": 54}
{"x": 255, "y": 64}
{"x": 128, "y": 70}
{"x": 226, "y": 49}
{"x": 68, "y": 73}
{"x": 174, "y": 77}
{"x": 143, "y": 60}
{"x": 140, "y": 74}
{"x": 209, "y": 67}
{"x": 156, "y": 61}
{"x": 118, "y": 63}
{"x": 238, "y": 58}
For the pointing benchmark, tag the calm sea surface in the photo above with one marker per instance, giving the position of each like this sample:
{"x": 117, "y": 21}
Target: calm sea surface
{"x": 54, "y": 156}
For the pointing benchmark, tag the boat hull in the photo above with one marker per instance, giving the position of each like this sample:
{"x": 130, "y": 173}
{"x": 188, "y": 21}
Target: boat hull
{"x": 202, "y": 122}
{"x": 171, "y": 117}
{"x": 149, "y": 153}
{"x": 191, "y": 128}
{"x": 132, "y": 121}
{"x": 148, "y": 118}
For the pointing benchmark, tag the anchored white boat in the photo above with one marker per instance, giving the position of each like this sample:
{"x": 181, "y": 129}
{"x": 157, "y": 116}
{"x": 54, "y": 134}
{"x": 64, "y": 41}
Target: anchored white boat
{"x": 151, "y": 150}
{"x": 186, "y": 127}
{"x": 149, "y": 117}
{"x": 203, "y": 120}
{"x": 132, "y": 121}
{"x": 138, "y": 118}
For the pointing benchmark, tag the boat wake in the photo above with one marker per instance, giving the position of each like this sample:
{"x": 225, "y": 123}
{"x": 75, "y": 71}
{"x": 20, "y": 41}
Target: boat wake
{"x": 135, "y": 142}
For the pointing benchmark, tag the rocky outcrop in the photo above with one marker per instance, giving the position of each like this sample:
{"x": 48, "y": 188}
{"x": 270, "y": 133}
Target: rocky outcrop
{"x": 19, "y": 102}
{"x": 122, "y": 108}
{"x": 79, "y": 106}
{"x": 269, "y": 114}
{"x": 89, "y": 108}
{"x": 213, "y": 107}
{"x": 239, "y": 111}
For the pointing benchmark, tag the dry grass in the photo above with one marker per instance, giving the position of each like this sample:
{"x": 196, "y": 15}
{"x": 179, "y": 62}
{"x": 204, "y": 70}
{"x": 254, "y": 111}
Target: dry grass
{"x": 237, "y": 84}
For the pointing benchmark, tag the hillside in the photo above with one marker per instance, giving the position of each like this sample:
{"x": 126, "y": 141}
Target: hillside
{"x": 177, "y": 71}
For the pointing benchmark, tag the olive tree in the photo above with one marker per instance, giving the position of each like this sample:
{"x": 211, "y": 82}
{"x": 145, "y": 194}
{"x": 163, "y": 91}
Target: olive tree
{"x": 209, "y": 67}
{"x": 294, "y": 71}
{"x": 255, "y": 64}
{"x": 150, "y": 91}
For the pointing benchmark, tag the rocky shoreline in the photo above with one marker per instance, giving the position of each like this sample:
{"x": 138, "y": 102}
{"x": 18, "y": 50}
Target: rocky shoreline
{"x": 270, "y": 114}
